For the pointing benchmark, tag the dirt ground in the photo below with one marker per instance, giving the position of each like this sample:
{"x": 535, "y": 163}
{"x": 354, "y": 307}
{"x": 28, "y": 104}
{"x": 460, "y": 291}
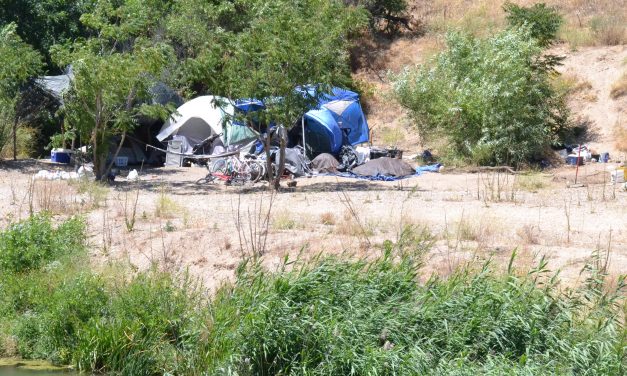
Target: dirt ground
{"x": 180, "y": 224}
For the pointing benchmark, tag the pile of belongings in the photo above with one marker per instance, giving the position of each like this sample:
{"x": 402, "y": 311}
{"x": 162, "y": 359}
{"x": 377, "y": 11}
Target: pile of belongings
{"x": 361, "y": 163}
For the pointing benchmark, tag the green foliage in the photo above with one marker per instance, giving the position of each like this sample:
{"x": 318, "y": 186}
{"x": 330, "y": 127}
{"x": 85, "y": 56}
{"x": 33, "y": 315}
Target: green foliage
{"x": 150, "y": 326}
{"x": 373, "y": 317}
{"x": 385, "y": 15}
{"x": 49, "y": 328}
{"x": 260, "y": 49}
{"x": 44, "y": 23}
{"x": 18, "y": 63}
{"x": 326, "y": 316}
{"x": 490, "y": 98}
{"x": 32, "y": 243}
{"x": 543, "y": 21}
{"x": 107, "y": 86}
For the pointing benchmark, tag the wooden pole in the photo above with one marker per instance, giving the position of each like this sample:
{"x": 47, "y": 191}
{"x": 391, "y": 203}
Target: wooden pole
{"x": 577, "y": 163}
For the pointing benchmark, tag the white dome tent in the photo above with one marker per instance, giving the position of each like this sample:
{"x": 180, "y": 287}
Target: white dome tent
{"x": 198, "y": 119}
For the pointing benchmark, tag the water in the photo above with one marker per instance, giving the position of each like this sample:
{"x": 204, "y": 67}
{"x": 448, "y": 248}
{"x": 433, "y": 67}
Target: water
{"x": 13, "y": 367}
{"x": 15, "y": 371}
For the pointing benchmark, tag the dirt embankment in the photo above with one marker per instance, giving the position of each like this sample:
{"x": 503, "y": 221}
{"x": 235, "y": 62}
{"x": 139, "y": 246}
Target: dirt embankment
{"x": 207, "y": 228}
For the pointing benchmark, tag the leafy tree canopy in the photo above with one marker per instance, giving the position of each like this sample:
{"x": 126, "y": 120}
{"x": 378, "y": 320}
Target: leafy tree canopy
{"x": 18, "y": 63}
{"x": 44, "y": 23}
{"x": 543, "y": 21}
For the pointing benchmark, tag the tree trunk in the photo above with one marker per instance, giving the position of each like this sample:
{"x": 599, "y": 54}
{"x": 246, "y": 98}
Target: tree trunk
{"x": 281, "y": 166}
{"x": 117, "y": 151}
{"x": 266, "y": 146}
{"x": 16, "y": 121}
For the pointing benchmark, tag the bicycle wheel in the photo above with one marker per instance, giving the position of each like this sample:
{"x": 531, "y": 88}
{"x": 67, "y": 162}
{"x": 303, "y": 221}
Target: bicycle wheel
{"x": 219, "y": 165}
{"x": 257, "y": 171}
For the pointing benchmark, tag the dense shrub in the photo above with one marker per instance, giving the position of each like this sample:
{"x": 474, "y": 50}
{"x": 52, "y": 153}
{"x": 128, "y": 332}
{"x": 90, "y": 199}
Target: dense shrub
{"x": 385, "y": 15}
{"x": 49, "y": 329}
{"x": 489, "y": 98}
{"x": 34, "y": 242}
{"x": 149, "y": 326}
{"x": 543, "y": 21}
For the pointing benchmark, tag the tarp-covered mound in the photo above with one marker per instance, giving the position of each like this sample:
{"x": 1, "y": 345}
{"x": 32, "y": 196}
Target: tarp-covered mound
{"x": 386, "y": 167}
{"x": 325, "y": 163}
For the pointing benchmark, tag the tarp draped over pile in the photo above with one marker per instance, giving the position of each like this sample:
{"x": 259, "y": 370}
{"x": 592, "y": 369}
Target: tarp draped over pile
{"x": 325, "y": 163}
{"x": 385, "y": 167}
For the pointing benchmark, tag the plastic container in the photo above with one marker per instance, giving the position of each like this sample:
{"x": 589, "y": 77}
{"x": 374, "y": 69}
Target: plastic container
{"x": 618, "y": 176}
{"x": 574, "y": 161}
{"x": 604, "y": 157}
{"x": 121, "y": 161}
{"x": 61, "y": 155}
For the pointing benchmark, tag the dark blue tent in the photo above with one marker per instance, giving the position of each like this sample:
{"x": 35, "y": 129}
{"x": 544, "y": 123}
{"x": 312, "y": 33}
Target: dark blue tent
{"x": 338, "y": 113}
{"x": 350, "y": 119}
{"x": 322, "y": 133}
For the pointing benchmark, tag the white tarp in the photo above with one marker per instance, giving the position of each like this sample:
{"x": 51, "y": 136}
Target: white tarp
{"x": 198, "y": 119}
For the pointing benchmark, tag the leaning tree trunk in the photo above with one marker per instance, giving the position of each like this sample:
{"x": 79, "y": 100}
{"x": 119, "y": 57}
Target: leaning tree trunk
{"x": 281, "y": 166}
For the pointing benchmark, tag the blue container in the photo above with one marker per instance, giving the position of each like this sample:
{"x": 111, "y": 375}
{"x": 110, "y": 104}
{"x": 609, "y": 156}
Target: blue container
{"x": 60, "y": 156}
{"x": 604, "y": 158}
{"x": 573, "y": 161}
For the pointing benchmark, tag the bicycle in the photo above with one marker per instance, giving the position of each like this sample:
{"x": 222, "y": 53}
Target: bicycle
{"x": 233, "y": 170}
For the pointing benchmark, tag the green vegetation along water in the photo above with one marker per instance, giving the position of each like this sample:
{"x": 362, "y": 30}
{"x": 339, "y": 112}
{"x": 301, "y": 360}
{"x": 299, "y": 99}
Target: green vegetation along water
{"x": 330, "y": 315}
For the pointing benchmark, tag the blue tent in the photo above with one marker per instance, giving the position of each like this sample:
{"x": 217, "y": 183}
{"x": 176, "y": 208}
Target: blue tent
{"x": 337, "y": 119}
{"x": 338, "y": 113}
{"x": 322, "y": 132}
{"x": 350, "y": 119}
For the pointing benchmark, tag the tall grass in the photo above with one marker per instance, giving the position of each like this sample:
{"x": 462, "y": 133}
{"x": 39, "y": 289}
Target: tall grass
{"x": 331, "y": 315}
{"x": 373, "y": 317}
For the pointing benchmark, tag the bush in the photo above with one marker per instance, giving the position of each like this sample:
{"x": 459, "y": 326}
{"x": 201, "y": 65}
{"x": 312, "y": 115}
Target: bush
{"x": 610, "y": 30}
{"x": 34, "y": 242}
{"x": 490, "y": 98}
{"x": 50, "y": 328}
{"x": 543, "y": 21}
{"x": 385, "y": 15}
{"x": 150, "y": 326}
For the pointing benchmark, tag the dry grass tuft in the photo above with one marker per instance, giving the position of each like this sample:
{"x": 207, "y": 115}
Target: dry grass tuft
{"x": 532, "y": 182}
{"x": 529, "y": 234}
{"x": 55, "y": 197}
{"x": 619, "y": 88}
{"x": 285, "y": 221}
{"x": 620, "y": 136}
{"x": 327, "y": 219}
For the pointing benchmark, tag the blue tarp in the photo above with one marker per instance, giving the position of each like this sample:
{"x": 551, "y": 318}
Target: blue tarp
{"x": 249, "y": 105}
{"x": 311, "y": 91}
{"x": 419, "y": 171}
